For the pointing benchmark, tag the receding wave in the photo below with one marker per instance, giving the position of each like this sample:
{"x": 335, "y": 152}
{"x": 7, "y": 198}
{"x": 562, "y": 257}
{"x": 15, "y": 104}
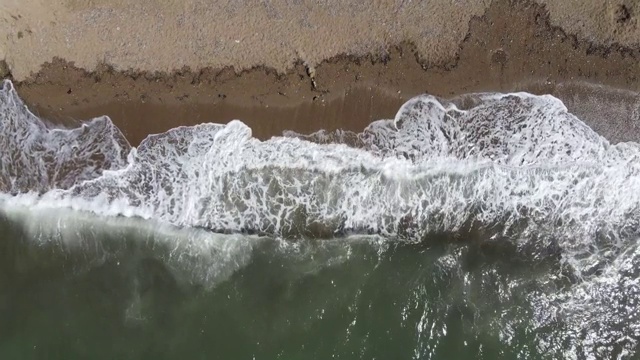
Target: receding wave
{"x": 513, "y": 170}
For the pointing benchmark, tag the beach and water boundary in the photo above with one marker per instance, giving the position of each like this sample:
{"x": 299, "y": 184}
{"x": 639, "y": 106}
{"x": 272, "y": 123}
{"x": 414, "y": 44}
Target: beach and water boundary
{"x": 491, "y": 46}
{"x": 472, "y": 224}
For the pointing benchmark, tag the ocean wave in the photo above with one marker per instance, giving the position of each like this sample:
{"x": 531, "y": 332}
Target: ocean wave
{"x": 514, "y": 163}
{"x": 37, "y": 157}
{"x": 434, "y": 168}
{"x": 513, "y": 168}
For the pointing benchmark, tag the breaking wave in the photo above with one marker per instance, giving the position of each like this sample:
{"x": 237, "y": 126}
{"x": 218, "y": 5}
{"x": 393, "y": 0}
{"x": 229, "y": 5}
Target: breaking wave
{"x": 493, "y": 168}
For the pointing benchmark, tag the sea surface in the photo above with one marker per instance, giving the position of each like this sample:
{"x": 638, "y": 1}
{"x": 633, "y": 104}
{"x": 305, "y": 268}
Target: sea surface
{"x": 488, "y": 226}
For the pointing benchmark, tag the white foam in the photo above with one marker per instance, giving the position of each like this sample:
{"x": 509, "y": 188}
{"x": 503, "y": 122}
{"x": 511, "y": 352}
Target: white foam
{"x": 38, "y": 157}
{"x": 434, "y": 168}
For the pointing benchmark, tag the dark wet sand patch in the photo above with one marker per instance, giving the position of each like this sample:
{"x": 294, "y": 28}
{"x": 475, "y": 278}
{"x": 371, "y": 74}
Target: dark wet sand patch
{"x": 512, "y": 47}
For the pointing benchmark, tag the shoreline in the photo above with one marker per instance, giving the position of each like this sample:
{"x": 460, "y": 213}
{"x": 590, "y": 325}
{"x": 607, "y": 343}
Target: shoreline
{"x": 512, "y": 47}
{"x": 612, "y": 112}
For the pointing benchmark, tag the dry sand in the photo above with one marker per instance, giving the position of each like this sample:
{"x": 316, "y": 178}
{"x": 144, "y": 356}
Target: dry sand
{"x": 311, "y": 64}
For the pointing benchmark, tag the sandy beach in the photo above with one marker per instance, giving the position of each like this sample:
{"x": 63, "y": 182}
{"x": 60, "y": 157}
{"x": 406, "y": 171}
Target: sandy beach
{"x": 303, "y": 65}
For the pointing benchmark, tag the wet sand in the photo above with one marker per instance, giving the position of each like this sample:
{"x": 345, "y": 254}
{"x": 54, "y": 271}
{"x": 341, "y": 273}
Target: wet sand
{"x": 351, "y": 110}
{"x": 508, "y": 46}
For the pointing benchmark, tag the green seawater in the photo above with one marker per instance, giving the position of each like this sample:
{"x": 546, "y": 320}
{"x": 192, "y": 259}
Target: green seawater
{"x": 118, "y": 292}
{"x": 126, "y": 295}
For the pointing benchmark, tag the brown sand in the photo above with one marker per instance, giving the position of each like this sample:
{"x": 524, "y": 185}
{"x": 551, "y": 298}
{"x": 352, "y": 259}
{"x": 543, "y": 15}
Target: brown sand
{"x": 303, "y": 81}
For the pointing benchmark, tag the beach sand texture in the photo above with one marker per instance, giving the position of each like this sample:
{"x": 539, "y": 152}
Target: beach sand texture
{"x": 307, "y": 64}
{"x": 164, "y": 35}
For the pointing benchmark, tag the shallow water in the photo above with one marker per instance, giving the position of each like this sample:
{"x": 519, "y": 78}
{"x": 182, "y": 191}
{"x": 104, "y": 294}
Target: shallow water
{"x": 488, "y": 226}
